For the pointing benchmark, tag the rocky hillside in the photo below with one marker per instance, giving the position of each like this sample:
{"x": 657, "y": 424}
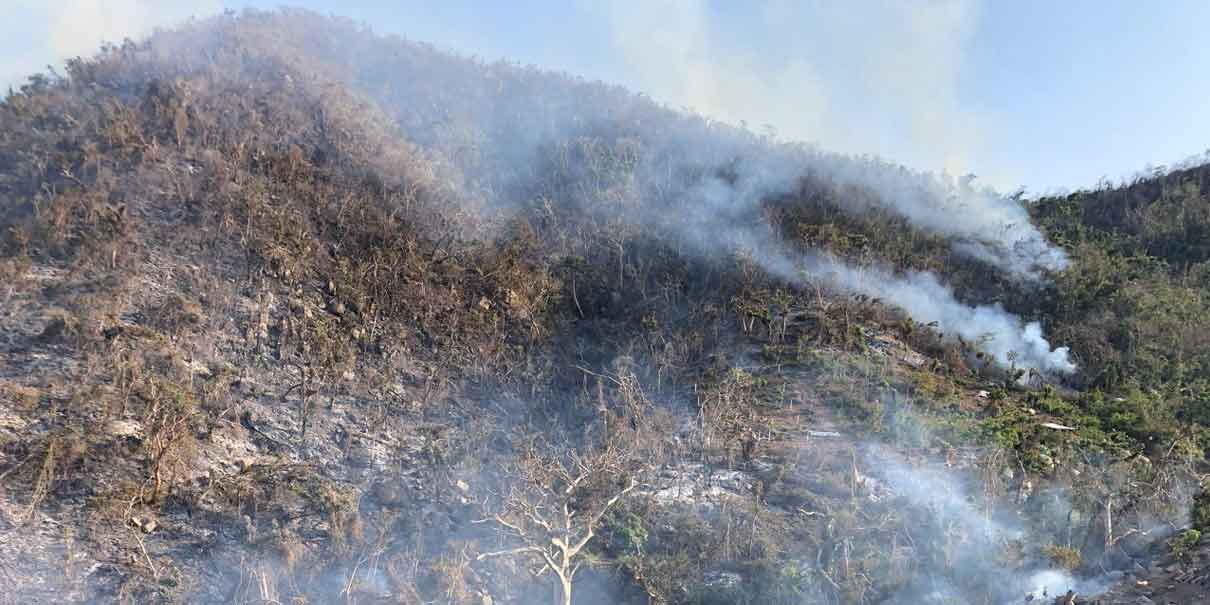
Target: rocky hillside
{"x": 293, "y": 312}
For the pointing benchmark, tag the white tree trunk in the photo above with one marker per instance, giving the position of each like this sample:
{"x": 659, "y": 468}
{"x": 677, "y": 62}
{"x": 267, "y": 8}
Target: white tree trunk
{"x": 565, "y": 583}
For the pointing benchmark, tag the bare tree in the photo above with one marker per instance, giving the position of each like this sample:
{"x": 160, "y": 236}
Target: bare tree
{"x": 555, "y": 509}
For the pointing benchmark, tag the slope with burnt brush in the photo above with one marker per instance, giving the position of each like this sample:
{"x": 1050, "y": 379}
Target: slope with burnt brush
{"x": 269, "y": 333}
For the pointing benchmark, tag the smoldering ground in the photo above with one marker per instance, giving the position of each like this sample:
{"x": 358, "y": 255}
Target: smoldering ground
{"x": 695, "y": 182}
{"x": 543, "y": 150}
{"x": 701, "y": 186}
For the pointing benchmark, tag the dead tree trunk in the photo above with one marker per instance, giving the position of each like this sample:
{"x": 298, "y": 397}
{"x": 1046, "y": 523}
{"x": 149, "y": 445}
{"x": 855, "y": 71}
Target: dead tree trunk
{"x": 546, "y": 514}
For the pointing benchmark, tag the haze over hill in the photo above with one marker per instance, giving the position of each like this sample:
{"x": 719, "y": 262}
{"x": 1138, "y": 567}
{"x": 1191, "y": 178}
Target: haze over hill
{"x": 293, "y": 311}
{"x": 966, "y": 85}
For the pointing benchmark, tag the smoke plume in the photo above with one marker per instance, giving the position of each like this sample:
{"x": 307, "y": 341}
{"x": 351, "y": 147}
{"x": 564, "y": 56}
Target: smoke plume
{"x": 819, "y": 90}
{"x": 722, "y": 214}
{"x": 979, "y": 536}
{"x": 51, "y": 31}
{"x": 514, "y": 136}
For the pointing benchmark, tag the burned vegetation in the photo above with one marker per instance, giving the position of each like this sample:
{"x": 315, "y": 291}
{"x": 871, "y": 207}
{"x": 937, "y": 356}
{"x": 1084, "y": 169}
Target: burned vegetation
{"x": 292, "y": 312}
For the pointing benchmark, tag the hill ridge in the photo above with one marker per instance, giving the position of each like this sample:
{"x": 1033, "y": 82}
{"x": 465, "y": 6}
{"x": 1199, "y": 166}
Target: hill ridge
{"x": 287, "y": 316}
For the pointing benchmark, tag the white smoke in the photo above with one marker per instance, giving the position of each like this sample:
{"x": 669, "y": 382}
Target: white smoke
{"x": 1047, "y": 584}
{"x": 719, "y": 209}
{"x": 977, "y": 221}
{"x": 38, "y": 33}
{"x": 996, "y": 332}
{"x": 829, "y": 85}
{"x": 866, "y": 76}
{"x": 982, "y": 536}
{"x": 1011, "y": 342}
{"x": 698, "y": 182}
{"x": 981, "y": 223}
{"x": 680, "y": 54}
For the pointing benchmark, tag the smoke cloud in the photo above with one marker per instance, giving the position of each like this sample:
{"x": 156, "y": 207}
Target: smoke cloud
{"x": 979, "y": 536}
{"x": 503, "y": 130}
{"x": 709, "y": 213}
{"x": 981, "y": 223}
{"x": 702, "y": 184}
{"x": 1010, "y": 341}
{"x": 42, "y": 32}
{"x": 720, "y": 213}
{"x": 835, "y": 67}
{"x": 829, "y": 86}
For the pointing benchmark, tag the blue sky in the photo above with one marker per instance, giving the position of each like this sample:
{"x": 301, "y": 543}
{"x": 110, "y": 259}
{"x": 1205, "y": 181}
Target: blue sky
{"x": 1046, "y": 95}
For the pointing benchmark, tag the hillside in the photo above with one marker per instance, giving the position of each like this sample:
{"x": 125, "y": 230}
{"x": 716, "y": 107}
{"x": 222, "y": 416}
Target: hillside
{"x": 293, "y": 312}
